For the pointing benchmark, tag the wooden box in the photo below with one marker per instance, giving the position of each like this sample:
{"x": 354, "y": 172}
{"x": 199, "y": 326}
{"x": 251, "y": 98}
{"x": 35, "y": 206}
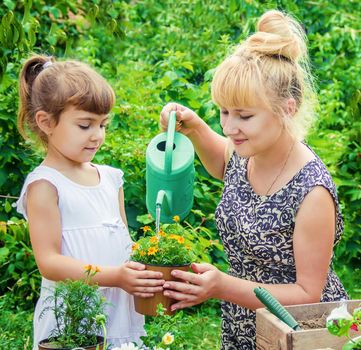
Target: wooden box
{"x": 273, "y": 334}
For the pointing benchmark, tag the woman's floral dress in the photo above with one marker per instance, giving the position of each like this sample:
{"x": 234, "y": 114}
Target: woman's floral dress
{"x": 257, "y": 234}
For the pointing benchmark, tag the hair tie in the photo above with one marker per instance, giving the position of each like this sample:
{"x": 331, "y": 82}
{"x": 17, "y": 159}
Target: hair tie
{"x": 47, "y": 64}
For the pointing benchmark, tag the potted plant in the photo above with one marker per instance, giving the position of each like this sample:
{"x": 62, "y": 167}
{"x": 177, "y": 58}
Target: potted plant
{"x": 341, "y": 323}
{"x": 163, "y": 251}
{"x": 78, "y": 308}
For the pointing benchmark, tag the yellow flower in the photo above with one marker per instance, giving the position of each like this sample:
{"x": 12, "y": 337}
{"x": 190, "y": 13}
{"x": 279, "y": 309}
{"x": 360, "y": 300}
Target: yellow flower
{"x": 135, "y": 246}
{"x": 188, "y": 247}
{"x": 152, "y": 250}
{"x": 161, "y": 233}
{"x": 142, "y": 253}
{"x": 180, "y": 239}
{"x": 173, "y": 236}
{"x": 146, "y": 228}
{"x": 96, "y": 269}
{"x": 88, "y": 268}
{"x": 154, "y": 240}
{"x": 176, "y": 218}
{"x": 168, "y": 338}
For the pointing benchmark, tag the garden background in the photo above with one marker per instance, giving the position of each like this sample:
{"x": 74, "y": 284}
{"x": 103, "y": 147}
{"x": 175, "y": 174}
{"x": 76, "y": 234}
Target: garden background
{"x": 153, "y": 52}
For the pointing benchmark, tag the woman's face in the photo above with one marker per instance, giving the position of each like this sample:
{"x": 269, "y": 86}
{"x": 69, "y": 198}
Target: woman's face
{"x": 252, "y": 130}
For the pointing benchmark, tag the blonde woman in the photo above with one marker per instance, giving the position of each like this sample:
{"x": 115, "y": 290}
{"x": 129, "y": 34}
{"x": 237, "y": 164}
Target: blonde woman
{"x": 279, "y": 216}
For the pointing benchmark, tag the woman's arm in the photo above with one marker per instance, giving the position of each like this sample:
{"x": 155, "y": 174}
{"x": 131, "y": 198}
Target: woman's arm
{"x": 45, "y": 234}
{"x": 313, "y": 243}
{"x": 210, "y": 146}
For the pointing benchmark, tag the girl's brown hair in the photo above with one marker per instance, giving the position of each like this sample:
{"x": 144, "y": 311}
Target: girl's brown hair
{"x": 270, "y": 67}
{"x": 52, "y": 86}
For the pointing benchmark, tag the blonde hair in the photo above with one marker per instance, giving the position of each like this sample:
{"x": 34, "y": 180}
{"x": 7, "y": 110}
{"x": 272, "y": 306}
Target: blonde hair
{"x": 51, "y": 86}
{"x": 270, "y": 67}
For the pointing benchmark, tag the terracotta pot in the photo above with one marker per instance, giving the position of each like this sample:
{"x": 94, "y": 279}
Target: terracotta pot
{"x": 148, "y": 306}
{"x": 45, "y": 345}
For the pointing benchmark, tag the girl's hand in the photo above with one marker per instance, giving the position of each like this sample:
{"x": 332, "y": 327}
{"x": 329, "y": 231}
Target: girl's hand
{"x": 187, "y": 120}
{"x": 135, "y": 280}
{"x": 197, "y": 287}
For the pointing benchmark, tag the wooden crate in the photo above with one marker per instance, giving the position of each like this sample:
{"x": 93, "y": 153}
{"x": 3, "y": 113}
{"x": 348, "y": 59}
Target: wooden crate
{"x": 273, "y": 334}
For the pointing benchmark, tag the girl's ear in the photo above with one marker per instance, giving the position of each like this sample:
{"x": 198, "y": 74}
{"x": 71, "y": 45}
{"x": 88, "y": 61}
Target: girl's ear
{"x": 44, "y": 122}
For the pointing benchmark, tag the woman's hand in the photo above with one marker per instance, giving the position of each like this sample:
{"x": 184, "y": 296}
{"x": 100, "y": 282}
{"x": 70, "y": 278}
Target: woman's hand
{"x": 194, "y": 288}
{"x": 135, "y": 280}
{"x": 187, "y": 120}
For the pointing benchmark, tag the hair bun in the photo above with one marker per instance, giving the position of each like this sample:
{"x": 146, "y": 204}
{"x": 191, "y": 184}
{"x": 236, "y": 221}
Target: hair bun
{"x": 278, "y": 34}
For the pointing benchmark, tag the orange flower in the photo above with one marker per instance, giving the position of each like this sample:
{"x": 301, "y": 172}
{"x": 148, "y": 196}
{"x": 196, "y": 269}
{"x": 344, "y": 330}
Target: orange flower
{"x": 152, "y": 250}
{"x": 161, "y": 233}
{"x": 176, "y": 218}
{"x": 142, "y": 253}
{"x": 146, "y": 228}
{"x": 180, "y": 239}
{"x": 154, "y": 240}
{"x": 88, "y": 268}
{"x": 135, "y": 246}
{"x": 173, "y": 236}
{"x": 96, "y": 269}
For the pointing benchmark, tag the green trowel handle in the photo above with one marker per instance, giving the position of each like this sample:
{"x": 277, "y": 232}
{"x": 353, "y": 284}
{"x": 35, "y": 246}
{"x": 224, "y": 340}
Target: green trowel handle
{"x": 275, "y": 307}
{"x": 169, "y": 142}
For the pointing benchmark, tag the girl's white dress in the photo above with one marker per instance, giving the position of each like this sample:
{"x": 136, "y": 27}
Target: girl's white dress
{"x": 93, "y": 232}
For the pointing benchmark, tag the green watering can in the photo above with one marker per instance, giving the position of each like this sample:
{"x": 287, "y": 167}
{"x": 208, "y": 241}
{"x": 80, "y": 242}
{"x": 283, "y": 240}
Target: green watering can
{"x": 170, "y": 174}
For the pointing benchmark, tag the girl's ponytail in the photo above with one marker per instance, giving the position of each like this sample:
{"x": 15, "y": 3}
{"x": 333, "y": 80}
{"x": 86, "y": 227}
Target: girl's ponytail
{"x": 31, "y": 69}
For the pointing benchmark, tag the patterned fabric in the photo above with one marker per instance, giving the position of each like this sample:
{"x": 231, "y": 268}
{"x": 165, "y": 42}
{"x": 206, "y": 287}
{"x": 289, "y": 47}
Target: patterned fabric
{"x": 257, "y": 234}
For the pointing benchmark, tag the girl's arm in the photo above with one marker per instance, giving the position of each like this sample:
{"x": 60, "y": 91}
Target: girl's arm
{"x": 210, "y": 146}
{"x": 313, "y": 244}
{"x": 45, "y": 234}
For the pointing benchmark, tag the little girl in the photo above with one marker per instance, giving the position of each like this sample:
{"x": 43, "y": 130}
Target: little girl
{"x": 75, "y": 208}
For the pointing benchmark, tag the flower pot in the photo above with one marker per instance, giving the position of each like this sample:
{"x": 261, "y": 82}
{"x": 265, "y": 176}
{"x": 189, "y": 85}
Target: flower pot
{"x": 46, "y": 345}
{"x": 148, "y": 306}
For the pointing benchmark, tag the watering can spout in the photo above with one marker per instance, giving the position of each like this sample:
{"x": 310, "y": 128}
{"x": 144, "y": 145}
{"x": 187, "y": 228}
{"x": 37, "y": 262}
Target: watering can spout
{"x": 164, "y": 201}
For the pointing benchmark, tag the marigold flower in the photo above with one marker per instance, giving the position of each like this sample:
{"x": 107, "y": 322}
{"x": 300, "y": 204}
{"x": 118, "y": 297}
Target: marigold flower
{"x": 154, "y": 240}
{"x": 173, "y": 236}
{"x": 96, "y": 269}
{"x": 142, "y": 253}
{"x": 168, "y": 338}
{"x": 88, "y": 268}
{"x": 180, "y": 239}
{"x": 152, "y": 250}
{"x": 161, "y": 233}
{"x": 146, "y": 228}
{"x": 135, "y": 246}
{"x": 176, "y": 218}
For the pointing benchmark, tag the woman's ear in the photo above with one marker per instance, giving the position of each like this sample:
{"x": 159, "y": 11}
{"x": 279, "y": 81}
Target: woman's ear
{"x": 44, "y": 122}
{"x": 291, "y": 107}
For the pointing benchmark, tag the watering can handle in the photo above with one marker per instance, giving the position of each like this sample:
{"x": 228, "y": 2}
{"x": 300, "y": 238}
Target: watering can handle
{"x": 170, "y": 142}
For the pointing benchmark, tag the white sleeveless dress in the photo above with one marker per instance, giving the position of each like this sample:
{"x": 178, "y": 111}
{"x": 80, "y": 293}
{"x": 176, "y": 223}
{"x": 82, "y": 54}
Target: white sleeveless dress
{"x": 93, "y": 232}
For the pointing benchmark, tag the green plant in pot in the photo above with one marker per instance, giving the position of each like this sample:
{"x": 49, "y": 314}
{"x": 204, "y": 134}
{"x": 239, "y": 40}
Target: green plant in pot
{"x": 341, "y": 323}
{"x": 78, "y": 308}
{"x": 164, "y": 251}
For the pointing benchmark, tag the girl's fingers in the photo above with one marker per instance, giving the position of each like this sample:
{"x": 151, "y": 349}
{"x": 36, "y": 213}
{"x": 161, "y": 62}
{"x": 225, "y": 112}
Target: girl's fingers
{"x": 143, "y": 295}
{"x": 182, "y": 305}
{"x": 143, "y": 289}
{"x": 146, "y": 282}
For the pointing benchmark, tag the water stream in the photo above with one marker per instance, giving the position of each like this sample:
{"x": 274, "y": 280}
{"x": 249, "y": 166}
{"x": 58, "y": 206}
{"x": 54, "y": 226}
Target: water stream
{"x": 157, "y": 218}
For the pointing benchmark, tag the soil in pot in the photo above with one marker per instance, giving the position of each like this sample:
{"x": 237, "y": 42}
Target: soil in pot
{"x": 315, "y": 323}
{"x": 148, "y": 306}
{"x": 53, "y": 345}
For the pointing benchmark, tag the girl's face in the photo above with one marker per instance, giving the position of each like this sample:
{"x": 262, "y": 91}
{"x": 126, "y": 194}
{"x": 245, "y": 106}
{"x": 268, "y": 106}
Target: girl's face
{"x": 78, "y": 135}
{"x": 251, "y": 130}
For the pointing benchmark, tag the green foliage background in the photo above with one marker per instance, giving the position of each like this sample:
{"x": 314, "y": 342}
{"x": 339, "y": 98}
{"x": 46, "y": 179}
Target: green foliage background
{"x": 153, "y": 52}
